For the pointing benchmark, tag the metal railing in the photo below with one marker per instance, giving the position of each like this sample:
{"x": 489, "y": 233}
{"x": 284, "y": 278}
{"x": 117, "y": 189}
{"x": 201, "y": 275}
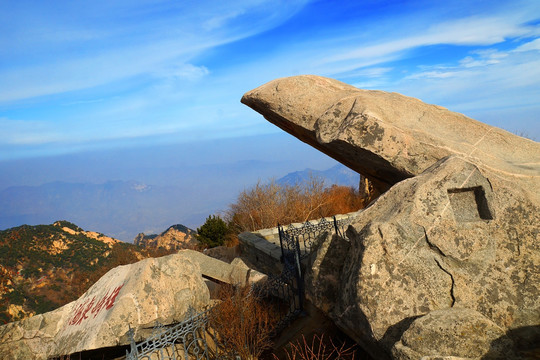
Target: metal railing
{"x": 190, "y": 339}
{"x": 296, "y": 244}
{"x": 304, "y": 236}
{"x": 193, "y": 339}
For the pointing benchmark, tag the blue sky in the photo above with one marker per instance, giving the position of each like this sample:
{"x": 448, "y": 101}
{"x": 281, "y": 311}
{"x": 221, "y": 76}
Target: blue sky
{"x": 92, "y": 75}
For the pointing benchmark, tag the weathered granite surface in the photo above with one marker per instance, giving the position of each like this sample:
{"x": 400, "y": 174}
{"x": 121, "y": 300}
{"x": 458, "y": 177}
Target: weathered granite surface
{"x": 457, "y": 227}
{"x": 387, "y": 137}
{"x": 136, "y": 295}
{"x": 464, "y": 333}
{"x": 450, "y": 237}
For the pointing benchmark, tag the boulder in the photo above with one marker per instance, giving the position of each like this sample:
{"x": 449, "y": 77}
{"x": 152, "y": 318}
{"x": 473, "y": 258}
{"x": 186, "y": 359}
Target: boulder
{"x": 454, "y": 333}
{"x": 31, "y": 338}
{"x": 224, "y": 272}
{"x": 449, "y": 237}
{"x": 137, "y": 295}
{"x": 223, "y": 253}
{"x": 386, "y": 137}
{"x": 457, "y": 227}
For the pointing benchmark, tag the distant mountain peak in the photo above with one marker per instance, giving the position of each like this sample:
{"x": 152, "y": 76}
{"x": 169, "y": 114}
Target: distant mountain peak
{"x": 338, "y": 174}
{"x": 176, "y": 237}
{"x": 75, "y": 230}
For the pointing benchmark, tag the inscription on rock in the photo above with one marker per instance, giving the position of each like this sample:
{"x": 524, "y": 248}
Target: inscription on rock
{"x": 93, "y": 307}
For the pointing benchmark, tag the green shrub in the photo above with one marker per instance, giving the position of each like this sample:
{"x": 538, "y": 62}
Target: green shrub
{"x": 213, "y": 232}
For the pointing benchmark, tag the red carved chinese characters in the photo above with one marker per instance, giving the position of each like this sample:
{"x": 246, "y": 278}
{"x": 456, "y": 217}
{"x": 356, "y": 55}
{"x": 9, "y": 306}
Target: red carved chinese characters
{"x": 106, "y": 302}
{"x": 110, "y": 300}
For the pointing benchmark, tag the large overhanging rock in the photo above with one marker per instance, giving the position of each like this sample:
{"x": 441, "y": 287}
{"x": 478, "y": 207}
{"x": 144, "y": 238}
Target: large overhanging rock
{"x": 446, "y": 263}
{"x": 385, "y": 136}
{"x": 137, "y": 295}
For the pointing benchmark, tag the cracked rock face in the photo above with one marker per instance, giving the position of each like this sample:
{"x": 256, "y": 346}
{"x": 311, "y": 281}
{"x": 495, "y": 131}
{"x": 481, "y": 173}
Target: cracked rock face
{"x": 418, "y": 249}
{"x": 457, "y": 228}
{"x": 137, "y": 295}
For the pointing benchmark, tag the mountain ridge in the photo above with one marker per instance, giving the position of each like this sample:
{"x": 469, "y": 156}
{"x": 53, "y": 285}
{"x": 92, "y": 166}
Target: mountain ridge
{"x": 338, "y": 175}
{"x": 175, "y": 237}
{"x": 43, "y": 267}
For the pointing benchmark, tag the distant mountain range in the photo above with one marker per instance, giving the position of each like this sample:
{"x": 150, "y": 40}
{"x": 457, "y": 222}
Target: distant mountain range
{"x": 123, "y": 209}
{"x": 338, "y": 174}
{"x": 118, "y": 208}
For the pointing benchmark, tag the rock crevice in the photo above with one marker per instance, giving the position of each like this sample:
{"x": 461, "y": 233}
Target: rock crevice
{"x": 451, "y": 278}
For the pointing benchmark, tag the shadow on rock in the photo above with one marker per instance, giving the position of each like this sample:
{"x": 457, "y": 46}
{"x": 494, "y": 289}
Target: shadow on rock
{"x": 526, "y": 343}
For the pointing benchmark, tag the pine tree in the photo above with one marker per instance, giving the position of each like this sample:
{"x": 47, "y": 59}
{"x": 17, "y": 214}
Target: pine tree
{"x": 213, "y": 232}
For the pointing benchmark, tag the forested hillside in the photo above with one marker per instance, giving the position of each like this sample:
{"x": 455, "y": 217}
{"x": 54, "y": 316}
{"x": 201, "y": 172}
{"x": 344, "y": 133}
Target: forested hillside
{"x": 43, "y": 267}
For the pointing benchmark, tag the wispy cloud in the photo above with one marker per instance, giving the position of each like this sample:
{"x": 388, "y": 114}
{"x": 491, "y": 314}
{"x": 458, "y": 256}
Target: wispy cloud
{"x": 468, "y": 31}
{"x": 529, "y": 46}
{"x": 499, "y": 87}
{"x": 166, "y": 38}
{"x": 122, "y": 70}
{"x": 18, "y": 132}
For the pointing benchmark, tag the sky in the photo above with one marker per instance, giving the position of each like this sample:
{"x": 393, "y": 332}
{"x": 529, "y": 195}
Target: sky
{"x": 81, "y": 76}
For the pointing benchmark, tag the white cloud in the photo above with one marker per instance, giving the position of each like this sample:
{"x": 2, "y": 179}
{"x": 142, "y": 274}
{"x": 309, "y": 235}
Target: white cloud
{"x": 221, "y": 19}
{"x": 530, "y": 46}
{"x": 483, "y": 61}
{"x": 434, "y": 74}
{"x": 146, "y": 45}
{"x": 483, "y": 58}
{"x": 189, "y": 72}
{"x": 467, "y": 31}
{"x": 511, "y": 81}
{"x": 18, "y": 132}
{"x": 398, "y": 38}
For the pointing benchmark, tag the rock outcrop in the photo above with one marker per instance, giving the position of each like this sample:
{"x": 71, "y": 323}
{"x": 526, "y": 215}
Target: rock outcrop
{"x": 136, "y": 295}
{"x": 386, "y": 137}
{"x": 446, "y": 262}
{"x": 176, "y": 237}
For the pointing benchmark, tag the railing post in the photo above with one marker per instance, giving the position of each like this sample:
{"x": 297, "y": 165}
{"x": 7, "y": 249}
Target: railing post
{"x": 280, "y": 232}
{"x": 133, "y": 346}
{"x": 299, "y": 277}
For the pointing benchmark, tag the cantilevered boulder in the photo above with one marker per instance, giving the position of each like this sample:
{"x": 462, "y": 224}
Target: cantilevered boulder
{"x": 385, "y": 136}
{"x": 446, "y": 263}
